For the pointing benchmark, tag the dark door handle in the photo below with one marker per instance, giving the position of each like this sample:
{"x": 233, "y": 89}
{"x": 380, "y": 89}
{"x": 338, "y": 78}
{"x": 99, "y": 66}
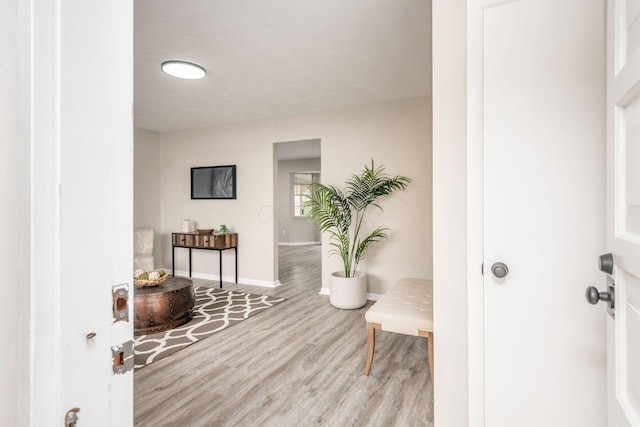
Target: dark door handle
{"x": 594, "y": 296}
{"x": 605, "y": 263}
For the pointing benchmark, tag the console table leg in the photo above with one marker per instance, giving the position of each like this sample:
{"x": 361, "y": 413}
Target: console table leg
{"x": 173, "y": 261}
{"x": 235, "y": 251}
{"x": 220, "y": 260}
{"x": 189, "y": 262}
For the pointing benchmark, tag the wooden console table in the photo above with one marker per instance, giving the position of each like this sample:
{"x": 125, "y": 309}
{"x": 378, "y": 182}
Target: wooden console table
{"x": 209, "y": 242}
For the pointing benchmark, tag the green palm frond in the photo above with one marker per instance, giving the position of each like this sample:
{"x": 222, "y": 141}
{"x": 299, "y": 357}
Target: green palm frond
{"x": 340, "y": 242}
{"x": 372, "y": 183}
{"x": 328, "y": 208}
{"x": 333, "y": 211}
{"x": 375, "y": 236}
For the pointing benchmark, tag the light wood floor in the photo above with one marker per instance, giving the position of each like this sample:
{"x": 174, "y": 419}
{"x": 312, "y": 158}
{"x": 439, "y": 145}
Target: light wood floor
{"x": 297, "y": 364}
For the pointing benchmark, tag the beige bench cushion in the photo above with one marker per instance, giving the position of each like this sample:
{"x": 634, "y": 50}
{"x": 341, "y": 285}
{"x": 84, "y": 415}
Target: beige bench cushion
{"x": 406, "y": 308}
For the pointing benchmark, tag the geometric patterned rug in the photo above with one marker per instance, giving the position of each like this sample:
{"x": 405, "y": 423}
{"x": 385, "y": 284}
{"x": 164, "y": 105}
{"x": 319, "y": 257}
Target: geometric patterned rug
{"x": 214, "y": 310}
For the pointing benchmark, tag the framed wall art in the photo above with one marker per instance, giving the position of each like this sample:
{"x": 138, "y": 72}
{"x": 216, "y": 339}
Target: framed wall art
{"x": 213, "y": 182}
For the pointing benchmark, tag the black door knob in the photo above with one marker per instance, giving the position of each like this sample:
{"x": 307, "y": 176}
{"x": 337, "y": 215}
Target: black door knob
{"x": 499, "y": 269}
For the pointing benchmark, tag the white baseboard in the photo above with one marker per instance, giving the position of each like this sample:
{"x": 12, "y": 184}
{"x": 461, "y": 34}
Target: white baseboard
{"x": 370, "y": 297}
{"x": 298, "y": 243}
{"x": 232, "y": 279}
{"x": 262, "y": 283}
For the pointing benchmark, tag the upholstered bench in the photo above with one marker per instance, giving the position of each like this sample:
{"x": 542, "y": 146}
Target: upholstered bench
{"x": 407, "y": 308}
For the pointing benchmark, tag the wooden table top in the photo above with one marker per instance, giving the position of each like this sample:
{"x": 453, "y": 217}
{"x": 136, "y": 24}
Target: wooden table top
{"x": 169, "y": 285}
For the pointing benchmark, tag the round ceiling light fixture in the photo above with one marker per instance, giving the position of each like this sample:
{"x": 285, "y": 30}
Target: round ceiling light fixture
{"x": 184, "y": 70}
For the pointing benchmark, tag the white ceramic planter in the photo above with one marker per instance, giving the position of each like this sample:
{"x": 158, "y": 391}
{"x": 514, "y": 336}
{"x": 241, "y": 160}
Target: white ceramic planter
{"x": 348, "y": 292}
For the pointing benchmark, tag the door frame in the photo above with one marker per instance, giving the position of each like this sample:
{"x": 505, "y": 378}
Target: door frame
{"x": 475, "y": 206}
{"x": 454, "y": 244}
{"x": 450, "y": 25}
{"x": 44, "y": 259}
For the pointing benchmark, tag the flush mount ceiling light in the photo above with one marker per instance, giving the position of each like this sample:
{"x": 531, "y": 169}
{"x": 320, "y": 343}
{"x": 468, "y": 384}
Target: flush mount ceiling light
{"x": 184, "y": 70}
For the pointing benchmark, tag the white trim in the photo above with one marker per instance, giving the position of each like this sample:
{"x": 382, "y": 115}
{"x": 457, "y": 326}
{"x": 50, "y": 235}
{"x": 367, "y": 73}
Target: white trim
{"x": 232, "y": 279}
{"x": 450, "y": 279}
{"x": 373, "y": 297}
{"x": 44, "y": 137}
{"x": 370, "y": 297}
{"x": 298, "y": 243}
{"x": 25, "y": 347}
{"x": 475, "y": 209}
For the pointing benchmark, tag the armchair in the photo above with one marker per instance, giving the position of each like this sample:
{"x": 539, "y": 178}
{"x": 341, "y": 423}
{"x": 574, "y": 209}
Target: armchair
{"x": 143, "y": 249}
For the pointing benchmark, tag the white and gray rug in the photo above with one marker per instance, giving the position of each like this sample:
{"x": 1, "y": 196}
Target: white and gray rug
{"x": 215, "y": 309}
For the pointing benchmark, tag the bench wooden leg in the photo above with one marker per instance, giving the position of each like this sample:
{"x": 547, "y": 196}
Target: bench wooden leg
{"x": 371, "y": 345}
{"x": 429, "y": 337}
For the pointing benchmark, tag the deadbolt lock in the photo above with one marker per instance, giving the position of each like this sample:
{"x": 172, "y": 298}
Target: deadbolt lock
{"x": 122, "y": 357}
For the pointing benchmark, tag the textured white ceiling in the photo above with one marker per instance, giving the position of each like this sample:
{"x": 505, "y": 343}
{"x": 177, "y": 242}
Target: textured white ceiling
{"x": 274, "y": 58}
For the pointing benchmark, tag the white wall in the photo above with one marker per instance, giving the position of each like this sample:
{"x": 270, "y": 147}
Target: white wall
{"x": 14, "y": 219}
{"x": 146, "y": 190}
{"x": 450, "y": 213}
{"x": 396, "y": 134}
{"x": 292, "y": 229}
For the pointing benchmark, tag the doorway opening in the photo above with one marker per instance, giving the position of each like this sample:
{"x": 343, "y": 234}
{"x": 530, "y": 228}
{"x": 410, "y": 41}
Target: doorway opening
{"x": 296, "y": 165}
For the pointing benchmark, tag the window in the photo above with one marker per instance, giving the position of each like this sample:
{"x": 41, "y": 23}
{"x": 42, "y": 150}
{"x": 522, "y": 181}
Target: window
{"x": 301, "y": 184}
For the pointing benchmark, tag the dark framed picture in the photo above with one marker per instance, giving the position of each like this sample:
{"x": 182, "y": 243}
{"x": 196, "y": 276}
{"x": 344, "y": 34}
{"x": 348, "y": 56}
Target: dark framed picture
{"x": 213, "y": 182}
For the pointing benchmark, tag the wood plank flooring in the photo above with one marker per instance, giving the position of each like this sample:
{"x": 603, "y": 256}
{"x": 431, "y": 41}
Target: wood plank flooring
{"x": 298, "y": 364}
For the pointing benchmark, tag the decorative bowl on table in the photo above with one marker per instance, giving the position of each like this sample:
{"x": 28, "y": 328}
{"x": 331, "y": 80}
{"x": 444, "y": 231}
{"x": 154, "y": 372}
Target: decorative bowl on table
{"x": 149, "y": 278}
{"x": 204, "y": 230}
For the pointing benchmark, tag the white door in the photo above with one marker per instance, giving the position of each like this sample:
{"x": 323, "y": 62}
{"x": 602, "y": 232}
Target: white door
{"x": 543, "y": 131}
{"x": 623, "y": 214}
{"x": 79, "y": 97}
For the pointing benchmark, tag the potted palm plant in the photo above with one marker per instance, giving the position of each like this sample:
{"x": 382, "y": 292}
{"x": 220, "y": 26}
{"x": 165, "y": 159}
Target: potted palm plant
{"x": 341, "y": 215}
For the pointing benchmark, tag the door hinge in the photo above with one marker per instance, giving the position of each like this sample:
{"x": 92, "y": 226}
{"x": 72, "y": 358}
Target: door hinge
{"x": 122, "y": 357}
